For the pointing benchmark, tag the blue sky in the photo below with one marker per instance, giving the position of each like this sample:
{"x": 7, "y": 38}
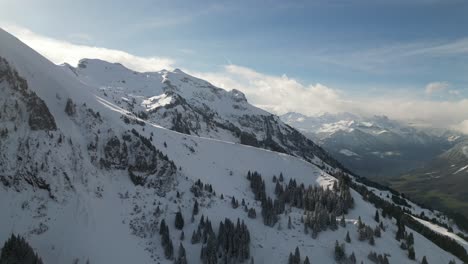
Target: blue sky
{"x": 364, "y": 48}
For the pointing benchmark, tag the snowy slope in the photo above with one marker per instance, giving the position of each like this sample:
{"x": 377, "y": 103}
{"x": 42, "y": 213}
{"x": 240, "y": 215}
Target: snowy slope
{"x": 83, "y": 205}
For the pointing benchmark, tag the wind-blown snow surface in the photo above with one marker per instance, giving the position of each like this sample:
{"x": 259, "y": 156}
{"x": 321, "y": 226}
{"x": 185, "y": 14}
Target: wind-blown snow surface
{"x": 98, "y": 214}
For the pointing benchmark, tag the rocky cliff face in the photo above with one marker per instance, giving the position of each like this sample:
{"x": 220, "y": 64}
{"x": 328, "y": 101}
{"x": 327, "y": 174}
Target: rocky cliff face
{"x": 38, "y": 115}
{"x": 39, "y": 154}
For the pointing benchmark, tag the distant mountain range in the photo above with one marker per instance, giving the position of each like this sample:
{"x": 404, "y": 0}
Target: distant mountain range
{"x": 374, "y": 146}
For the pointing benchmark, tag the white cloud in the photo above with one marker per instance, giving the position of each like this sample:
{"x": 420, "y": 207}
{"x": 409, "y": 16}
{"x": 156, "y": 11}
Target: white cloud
{"x": 436, "y": 87}
{"x": 462, "y": 126}
{"x": 59, "y": 51}
{"x": 281, "y": 94}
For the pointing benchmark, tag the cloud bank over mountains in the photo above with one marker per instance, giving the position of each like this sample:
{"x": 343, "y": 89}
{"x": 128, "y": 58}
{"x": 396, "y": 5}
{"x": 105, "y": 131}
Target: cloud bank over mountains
{"x": 278, "y": 94}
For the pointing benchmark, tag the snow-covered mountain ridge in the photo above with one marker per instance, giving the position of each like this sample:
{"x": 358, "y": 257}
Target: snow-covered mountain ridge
{"x": 373, "y": 146}
{"x": 84, "y": 178}
{"x": 180, "y": 102}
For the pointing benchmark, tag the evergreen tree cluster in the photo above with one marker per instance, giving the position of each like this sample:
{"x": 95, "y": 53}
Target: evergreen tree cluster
{"x": 378, "y": 258}
{"x": 230, "y": 245}
{"x": 198, "y": 189}
{"x": 166, "y": 241}
{"x": 365, "y": 232}
{"x": 340, "y": 254}
{"x": 401, "y": 215}
{"x": 17, "y": 250}
{"x": 296, "y": 258}
{"x": 234, "y": 240}
{"x": 270, "y": 211}
{"x": 337, "y": 201}
{"x": 400, "y": 234}
{"x": 408, "y": 243}
{"x": 252, "y": 213}
{"x": 400, "y": 201}
{"x": 203, "y": 232}
{"x": 270, "y": 208}
{"x": 257, "y": 184}
{"x": 322, "y": 205}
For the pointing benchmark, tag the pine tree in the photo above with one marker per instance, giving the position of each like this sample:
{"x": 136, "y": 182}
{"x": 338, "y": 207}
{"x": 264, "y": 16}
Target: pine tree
{"x": 291, "y": 259}
{"x": 410, "y": 239}
{"x": 306, "y": 260}
{"x": 371, "y": 240}
{"x": 169, "y": 250}
{"x": 377, "y": 231}
{"x": 297, "y": 256}
{"x": 289, "y": 223}
{"x": 208, "y": 252}
{"x": 360, "y": 224}
{"x": 376, "y": 217}
{"x": 162, "y": 227}
{"x": 339, "y": 252}
{"x": 348, "y": 239}
{"x": 196, "y": 237}
{"x": 251, "y": 213}
{"x": 195, "y": 208}
{"x": 401, "y": 230}
{"x": 386, "y": 260}
{"x": 411, "y": 253}
{"x": 16, "y": 250}
{"x": 333, "y": 224}
{"x": 234, "y": 203}
{"x": 182, "y": 258}
{"x": 281, "y": 178}
{"x": 424, "y": 260}
{"x": 352, "y": 258}
{"x": 182, "y": 236}
{"x": 179, "y": 221}
{"x": 342, "y": 221}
